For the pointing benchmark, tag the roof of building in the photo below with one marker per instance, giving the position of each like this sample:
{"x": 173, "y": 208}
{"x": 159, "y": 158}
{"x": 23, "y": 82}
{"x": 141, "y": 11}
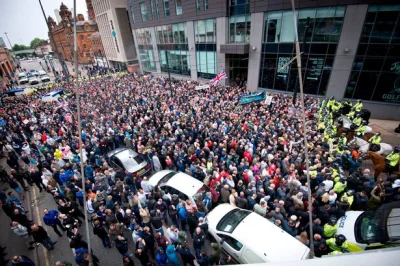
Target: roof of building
{"x": 95, "y": 35}
{"x": 81, "y": 23}
{"x": 63, "y": 6}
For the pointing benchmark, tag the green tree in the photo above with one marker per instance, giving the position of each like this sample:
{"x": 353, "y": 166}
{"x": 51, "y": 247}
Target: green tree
{"x": 19, "y": 47}
{"x": 36, "y": 42}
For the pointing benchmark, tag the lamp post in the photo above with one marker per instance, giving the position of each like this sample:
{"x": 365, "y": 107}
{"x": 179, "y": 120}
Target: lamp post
{"x": 62, "y": 62}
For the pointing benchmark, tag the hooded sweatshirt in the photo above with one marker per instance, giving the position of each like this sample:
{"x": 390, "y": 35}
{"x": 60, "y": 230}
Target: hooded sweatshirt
{"x": 172, "y": 256}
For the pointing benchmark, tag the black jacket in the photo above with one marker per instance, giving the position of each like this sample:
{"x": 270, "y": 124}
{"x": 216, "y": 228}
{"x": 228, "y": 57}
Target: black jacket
{"x": 40, "y": 234}
{"x": 100, "y": 231}
{"x": 156, "y": 221}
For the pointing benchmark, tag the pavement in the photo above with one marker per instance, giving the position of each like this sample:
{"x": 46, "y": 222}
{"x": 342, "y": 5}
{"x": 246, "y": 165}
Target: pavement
{"x": 386, "y": 128}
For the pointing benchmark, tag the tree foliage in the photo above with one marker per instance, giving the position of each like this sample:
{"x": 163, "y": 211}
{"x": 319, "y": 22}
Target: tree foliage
{"x": 36, "y": 42}
{"x": 20, "y": 47}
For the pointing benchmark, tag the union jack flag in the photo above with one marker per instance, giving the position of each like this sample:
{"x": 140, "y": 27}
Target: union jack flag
{"x": 218, "y": 78}
{"x": 63, "y": 105}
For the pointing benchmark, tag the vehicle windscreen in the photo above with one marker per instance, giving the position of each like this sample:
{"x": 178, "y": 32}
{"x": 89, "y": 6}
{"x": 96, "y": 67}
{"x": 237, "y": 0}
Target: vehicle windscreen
{"x": 139, "y": 159}
{"x": 367, "y": 228}
{"x": 166, "y": 178}
{"x": 231, "y": 220}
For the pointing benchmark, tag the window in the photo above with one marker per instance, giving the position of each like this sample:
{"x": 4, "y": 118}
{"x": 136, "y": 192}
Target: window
{"x": 206, "y": 64}
{"x": 154, "y": 9}
{"x": 376, "y": 73}
{"x": 197, "y": 5}
{"x": 82, "y": 37}
{"x": 239, "y": 29}
{"x": 166, "y": 8}
{"x": 239, "y": 7}
{"x": 205, "y": 4}
{"x": 179, "y": 62}
{"x": 233, "y": 243}
{"x": 84, "y": 46}
{"x": 143, "y": 36}
{"x": 205, "y": 31}
{"x": 319, "y": 28}
{"x": 178, "y": 7}
{"x": 231, "y": 220}
{"x": 143, "y": 10}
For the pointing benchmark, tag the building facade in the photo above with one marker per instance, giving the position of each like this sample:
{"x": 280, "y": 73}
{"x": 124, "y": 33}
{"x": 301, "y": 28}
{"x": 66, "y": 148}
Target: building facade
{"x": 43, "y": 49}
{"x": 99, "y": 57}
{"x": 63, "y": 34}
{"x": 115, "y": 31}
{"x": 350, "y": 48}
{"x": 6, "y": 67}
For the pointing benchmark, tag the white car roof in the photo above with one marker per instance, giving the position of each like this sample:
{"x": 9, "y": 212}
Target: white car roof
{"x": 264, "y": 237}
{"x": 180, "y": 181}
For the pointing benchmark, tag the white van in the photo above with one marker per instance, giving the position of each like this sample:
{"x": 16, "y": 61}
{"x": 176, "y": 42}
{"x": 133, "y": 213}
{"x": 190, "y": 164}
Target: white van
{"x": 249, "y": 238}
{"x": 53, "y": 95}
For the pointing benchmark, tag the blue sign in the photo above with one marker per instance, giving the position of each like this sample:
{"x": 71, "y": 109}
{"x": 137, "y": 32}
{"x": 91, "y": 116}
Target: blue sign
{"x": 249, "y": 98}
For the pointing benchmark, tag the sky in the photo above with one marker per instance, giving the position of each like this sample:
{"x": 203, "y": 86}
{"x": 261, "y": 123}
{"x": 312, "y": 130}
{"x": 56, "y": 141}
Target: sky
{"x": 23, "y": 19}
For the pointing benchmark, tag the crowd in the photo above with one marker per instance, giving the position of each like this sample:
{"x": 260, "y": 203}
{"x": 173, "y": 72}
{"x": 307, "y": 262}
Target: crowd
{"x": 244, "y": 153}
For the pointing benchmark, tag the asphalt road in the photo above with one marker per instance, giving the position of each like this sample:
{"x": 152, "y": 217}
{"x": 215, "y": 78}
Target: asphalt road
{"x": 35, "y": 202}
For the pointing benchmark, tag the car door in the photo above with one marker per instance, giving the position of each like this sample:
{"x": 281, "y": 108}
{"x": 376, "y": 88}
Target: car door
{"x": 231, "y": 246}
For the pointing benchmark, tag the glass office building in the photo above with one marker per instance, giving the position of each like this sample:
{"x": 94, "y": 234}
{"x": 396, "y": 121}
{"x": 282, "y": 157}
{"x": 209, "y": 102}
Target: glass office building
{"x": 319, "y": 31}
{"x": 375, "y": 74}
{"x": 349, "y": 50}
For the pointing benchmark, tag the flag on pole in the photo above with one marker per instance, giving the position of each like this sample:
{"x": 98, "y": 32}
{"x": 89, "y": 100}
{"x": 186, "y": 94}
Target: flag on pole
{"x": 215, "y": 81}
{"x": 63, "y": 105}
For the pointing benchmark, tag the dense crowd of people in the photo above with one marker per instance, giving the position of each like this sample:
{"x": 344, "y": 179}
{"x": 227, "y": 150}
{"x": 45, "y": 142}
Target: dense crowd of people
{"x": 251, "y": 156}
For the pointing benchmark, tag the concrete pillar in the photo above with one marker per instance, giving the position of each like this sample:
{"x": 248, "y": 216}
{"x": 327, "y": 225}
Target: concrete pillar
{"x": 155, "y": 49}
{"x": 222, "y": 27}
{"x": 352, "y": 25}
{"x": 257, "y": 24}
{"x": 192, "y": 49}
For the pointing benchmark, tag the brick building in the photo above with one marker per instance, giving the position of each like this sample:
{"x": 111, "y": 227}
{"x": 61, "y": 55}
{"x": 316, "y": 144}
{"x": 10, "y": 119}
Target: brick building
{"x": 43, "y": 49}
{"x": 6, "y": 67}
{"x": 97, "y": 50}
{"x": 63, "y": 34}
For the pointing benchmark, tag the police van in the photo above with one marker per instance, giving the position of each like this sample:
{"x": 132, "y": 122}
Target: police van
{"x": 53, "y": 95}
{"x": 372, "y": 229}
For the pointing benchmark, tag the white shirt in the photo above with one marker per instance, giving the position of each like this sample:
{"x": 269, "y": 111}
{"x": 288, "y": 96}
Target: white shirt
{"x": 328, "y": 185}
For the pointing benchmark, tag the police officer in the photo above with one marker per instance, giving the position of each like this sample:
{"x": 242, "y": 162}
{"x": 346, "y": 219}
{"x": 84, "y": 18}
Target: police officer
{"x": 392, "y": 160}
{"x": 349, "y": 194}
{"x": 358, "y": 120}
{"x": 358, "y": 106}
{"x": 375, "y": 140}
{"x": 352, "y": 113}
{"x": 331, "y": 227}
{"x": 340, "y": 186}
{"x": 338, "y": 243}
{"x": 361, "y": 129}
{"x": 342, "y": 139}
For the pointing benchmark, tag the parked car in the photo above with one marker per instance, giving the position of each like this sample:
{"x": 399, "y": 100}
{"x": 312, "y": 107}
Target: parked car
{"x": 249, "y": 238}
{"x": 124, "y": 159}
{"x": 33, "y": 80}
{"x": 43, "y": 76}
{"x": 22, "y": 78}
{"x": 372, "y": 229}
{"x": 181, "y": 184}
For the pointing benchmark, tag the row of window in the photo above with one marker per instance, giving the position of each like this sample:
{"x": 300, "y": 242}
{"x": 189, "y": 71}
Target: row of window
{"x": 376, "y": 69}
{"x": 154, "y": 8}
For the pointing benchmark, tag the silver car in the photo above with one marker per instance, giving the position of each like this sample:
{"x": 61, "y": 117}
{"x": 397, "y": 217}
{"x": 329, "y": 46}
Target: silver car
{"x": 125, "y": 159}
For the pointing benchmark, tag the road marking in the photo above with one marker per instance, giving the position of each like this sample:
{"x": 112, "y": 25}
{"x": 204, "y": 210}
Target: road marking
{"x": 46, "y": 256}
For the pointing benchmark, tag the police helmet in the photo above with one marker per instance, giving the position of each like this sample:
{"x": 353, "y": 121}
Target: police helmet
{"x": 359, "y": 100}
{"x": 358, "y": 115}
{"x": 396, "y": 149}
{"x": 340, "y": 239}
{"x": 350, "y": 192}
{"x": 332, "y": 220}
{"x": 378, "y": 133}
{"x": 365, "y": 123}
